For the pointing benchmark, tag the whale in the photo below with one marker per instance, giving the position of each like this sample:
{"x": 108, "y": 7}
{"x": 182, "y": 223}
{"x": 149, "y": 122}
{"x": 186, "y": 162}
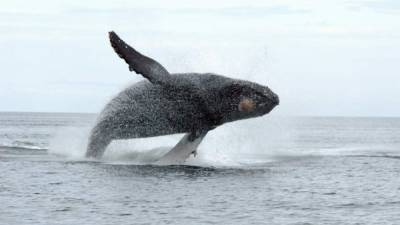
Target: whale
{"x": 167, "y": 103}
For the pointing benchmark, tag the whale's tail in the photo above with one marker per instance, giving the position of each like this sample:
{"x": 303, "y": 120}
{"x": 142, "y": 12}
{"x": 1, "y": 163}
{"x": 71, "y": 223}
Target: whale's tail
{"x": 98, "y": 142}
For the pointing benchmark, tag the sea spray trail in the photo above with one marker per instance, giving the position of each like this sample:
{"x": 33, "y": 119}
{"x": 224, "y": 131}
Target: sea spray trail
{"x": 228, "y": 145}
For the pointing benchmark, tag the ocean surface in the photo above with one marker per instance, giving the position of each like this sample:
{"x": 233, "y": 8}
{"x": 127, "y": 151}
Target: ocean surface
{"x": 269, "y": 170}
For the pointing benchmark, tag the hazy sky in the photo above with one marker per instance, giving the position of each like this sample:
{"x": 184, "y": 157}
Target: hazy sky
{"x": 337, "y": 58}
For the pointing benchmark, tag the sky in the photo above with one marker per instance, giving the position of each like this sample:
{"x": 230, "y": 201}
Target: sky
{"x": 323, "y": 58}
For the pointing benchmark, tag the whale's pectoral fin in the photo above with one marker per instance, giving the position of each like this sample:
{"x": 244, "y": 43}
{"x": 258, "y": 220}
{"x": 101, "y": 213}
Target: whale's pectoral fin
{"x": 148, "y": 67}
{"x": 185, "y": 147}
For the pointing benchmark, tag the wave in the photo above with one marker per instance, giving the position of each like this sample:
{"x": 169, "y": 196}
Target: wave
{"x": 23, "y": 145}
{"x": 358, "y": 151}
{"x": 388, "y": 156}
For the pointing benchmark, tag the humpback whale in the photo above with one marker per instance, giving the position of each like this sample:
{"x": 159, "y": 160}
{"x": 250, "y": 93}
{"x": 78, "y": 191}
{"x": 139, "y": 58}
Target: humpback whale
{"x": 170, "y": 103}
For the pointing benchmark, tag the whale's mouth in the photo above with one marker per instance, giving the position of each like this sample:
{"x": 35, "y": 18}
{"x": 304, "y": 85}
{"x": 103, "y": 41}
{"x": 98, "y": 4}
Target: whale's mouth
{"x": 270, "y": 101}
{"x": 268, "y": 106}
{"x": 274, "y": 99}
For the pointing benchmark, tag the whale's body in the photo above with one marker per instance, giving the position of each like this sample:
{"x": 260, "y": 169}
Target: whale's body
{"x": 148, "y": 110}
{"x": 167, "y": 103}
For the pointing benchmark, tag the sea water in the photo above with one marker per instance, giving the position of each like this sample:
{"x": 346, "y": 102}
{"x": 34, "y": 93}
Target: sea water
{"x": 269, "y": 170}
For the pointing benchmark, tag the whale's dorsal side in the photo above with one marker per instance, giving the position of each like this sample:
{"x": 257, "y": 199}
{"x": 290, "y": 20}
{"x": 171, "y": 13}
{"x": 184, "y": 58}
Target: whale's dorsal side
{"x": 141, "y": 64}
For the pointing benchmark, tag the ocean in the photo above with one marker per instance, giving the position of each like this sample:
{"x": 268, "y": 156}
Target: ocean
{"x": 268, "y": 170}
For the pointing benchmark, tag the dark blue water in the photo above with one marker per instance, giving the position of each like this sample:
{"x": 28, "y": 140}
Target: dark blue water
{"x": 272, "y": 170}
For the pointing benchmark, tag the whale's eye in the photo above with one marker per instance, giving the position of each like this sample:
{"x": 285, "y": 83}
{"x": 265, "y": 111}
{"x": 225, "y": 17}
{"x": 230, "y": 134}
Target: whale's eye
{"x": 247, "y": 105}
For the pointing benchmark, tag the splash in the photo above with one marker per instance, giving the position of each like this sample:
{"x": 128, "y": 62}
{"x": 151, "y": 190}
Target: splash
{"x": 236, "y": 144}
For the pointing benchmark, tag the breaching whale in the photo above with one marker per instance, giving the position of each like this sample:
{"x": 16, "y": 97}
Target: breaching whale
{"x": 168, "y": 103}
